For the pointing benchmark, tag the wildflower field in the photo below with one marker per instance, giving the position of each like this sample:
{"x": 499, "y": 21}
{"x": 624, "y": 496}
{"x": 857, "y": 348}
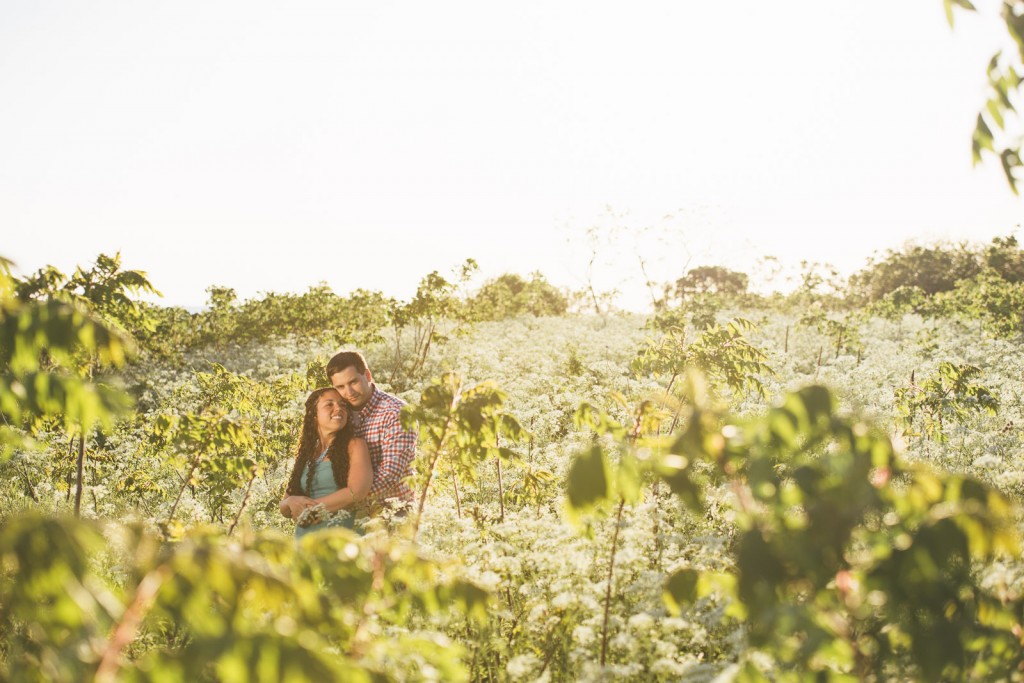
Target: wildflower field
{"x": 821, "y": 485}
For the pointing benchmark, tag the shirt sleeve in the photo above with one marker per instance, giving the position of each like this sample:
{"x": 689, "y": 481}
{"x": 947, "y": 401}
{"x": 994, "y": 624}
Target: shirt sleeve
{"x": 398, "y": 447}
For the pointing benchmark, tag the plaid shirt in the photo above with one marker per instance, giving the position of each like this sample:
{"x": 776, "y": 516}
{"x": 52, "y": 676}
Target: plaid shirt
{"x": 391, "y": 447}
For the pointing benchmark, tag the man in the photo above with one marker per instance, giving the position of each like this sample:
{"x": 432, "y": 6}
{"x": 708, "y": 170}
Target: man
{"x": 391, "y": 447}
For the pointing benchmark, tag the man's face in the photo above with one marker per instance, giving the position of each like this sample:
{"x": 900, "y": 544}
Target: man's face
{"x": 353, "y": 386}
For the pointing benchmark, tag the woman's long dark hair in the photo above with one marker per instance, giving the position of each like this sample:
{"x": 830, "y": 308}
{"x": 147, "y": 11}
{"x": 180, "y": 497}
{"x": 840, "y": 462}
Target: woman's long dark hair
{"x": 307, "y": 451}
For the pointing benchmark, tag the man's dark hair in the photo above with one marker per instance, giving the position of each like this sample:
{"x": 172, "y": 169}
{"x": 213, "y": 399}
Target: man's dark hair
{"x": 346, "y": 359}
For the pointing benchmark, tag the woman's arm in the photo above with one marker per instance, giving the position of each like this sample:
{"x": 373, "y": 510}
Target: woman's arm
{"x": 360, "y": 476}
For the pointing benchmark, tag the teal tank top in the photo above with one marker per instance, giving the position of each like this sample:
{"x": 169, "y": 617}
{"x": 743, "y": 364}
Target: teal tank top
{"x": 323, "y": 484}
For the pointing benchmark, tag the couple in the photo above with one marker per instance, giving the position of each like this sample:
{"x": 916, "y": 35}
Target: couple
{"x": 353, "y": 452}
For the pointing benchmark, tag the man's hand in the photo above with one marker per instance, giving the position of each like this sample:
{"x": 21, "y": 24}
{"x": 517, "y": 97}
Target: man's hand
{"x": 292, "y": 506}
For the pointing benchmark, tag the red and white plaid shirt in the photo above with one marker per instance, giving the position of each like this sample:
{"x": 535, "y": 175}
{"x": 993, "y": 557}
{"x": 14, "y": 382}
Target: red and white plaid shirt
{"x": 391, "y": 447}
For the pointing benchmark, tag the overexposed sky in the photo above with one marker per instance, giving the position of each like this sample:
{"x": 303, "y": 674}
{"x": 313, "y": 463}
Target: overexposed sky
{"x": 269, "y": 146}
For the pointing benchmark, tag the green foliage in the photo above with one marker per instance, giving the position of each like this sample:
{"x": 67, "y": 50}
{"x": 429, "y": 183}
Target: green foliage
{"x": 994, "y": 132}
{"x": 213, "y": 449}
{"x": 356, "y": 319}
{"x": 929, "y": 407}
{"x": 904, "y": 299}
{"x": 223, "y": 431}
{"x": 459, "y": 428}
{"x": 510, "y": 295}
{"x": 534, "y": 487}
{"x": 930, "y": 269}
{"x": 47, "y": 607}
{"x": 700, "y": 310}
{"x": 598, "y": 474}
{"x": 971, "y": 283}
{"x": 168, "y": 333}
{"x": 722, "y": 352}
{"x": 220, "y": 321}
{"x": 819, "y": 284}
{"x": 949, "y": 4}
{"x": 266, "y": 404}
{"x": 42, "y": 344}
{"x": 813, "y": 553}
{"x": 317, "y": 313}
{"x": 711, "y": 280}
{"x": 104, "y": 290}
{"x": 260, "y": 608}
{"x": 435, "y": 302}
{"x": 1004, "y": 256}
{"x": 996, "y": 302}
{"x": 843, "y": 334}
{"x": 848, "y": 564}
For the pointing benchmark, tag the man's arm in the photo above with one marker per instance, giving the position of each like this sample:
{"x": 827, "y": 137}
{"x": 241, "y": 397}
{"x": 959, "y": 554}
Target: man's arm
{"x": 398, "y": 447}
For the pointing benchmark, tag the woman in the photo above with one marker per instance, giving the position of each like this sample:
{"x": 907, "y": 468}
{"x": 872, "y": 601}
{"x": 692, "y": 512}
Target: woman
{"x": 332, "y": 467}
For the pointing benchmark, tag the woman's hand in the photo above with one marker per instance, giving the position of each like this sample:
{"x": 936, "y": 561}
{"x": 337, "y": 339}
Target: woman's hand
{"x": 292, "y": 506}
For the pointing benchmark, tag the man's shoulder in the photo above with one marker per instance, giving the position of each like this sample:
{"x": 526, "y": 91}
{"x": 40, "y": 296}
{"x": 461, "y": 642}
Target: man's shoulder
{"x": 383, "y": 415}
{"x": 390, "y": 398}
{"x": 384, "y": 403}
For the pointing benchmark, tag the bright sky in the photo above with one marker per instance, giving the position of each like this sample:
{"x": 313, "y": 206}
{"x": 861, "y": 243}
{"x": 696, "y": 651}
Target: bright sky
{"x": 268, "y": 146}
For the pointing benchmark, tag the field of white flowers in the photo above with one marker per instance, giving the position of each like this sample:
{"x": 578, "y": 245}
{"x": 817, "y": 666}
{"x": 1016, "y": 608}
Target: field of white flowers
{"x": 554, "y": 576}
{"x": 569, "y": 595}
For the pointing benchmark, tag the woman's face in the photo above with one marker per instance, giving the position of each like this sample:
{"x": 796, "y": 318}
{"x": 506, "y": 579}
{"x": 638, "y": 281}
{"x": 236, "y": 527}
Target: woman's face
{"x": 331, "y": 412}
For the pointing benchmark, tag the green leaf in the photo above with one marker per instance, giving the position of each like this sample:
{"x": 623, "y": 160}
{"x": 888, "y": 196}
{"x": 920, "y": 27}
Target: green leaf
{"x": 996, "y": 112}
{"x": 680, "y": 590}
{"x": 588, "y": 479}
{"x": 817, "y": 403}
{"x": 948, "y": 6}
{"x": 675, "y": 471}
{"x": 1011, "y": 161}
{"x": 472, "y": 599}
{"x": 628, "y": 480}
{"x": 982, "y": 138}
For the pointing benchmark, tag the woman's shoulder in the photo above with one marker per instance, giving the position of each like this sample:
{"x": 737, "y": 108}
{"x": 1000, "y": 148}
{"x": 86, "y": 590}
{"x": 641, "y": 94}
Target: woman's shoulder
{"x": 356, "y": 444}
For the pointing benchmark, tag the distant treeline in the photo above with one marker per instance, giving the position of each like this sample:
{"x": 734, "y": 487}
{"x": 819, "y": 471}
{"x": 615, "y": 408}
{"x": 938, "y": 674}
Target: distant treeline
{"x": 941, "y": 279}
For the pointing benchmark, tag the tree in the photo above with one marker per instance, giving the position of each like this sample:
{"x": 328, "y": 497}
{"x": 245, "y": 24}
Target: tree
{"x": 1006, "y": 258}
{"x": 950, "y": 396}
{"x": 39, "y": 340}
{"x": 721, "y": 352}
{"x": 932, "y": 269}
{"x": 971, "y": 282}
{"x": 436, "y": 302}
{"x": 711, "y": 280}
{"x": 510, "y": 295}
{"x": 104, "y": 292}
{"x": 318, "y": 313}
{"x": 459, "y": 428}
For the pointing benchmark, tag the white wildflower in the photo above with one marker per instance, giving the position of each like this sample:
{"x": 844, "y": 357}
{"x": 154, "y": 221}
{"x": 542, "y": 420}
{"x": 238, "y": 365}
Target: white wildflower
{"x": 668, "y": 667}
{"x": 537, "y": 612}
{"x": 489, "y": 581}
{"x": 987, "y": 461}
{"x": 562, "y": 601}
{"x": 641, "y": 623}
{"x": 522, "y": 666}
{"x": 583, "y": 635}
